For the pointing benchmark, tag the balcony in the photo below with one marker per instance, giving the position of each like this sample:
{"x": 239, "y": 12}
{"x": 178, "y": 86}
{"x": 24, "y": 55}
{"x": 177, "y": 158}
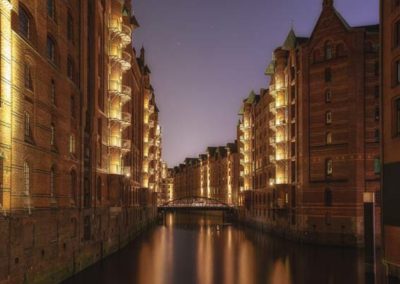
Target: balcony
{"x": 115, "y": 169}
{"x": 151, "y": 108}
{"x": 114, "y": 142}
{"x": 114, "y": 26}
{"x": 127, "y": 171}
{"x": 126, "y": 34}
{"x": 126, "y": 60}
{"x": 120, "y": 117}
{"x": 116, "y": 89}
{"x": 272, "y": 140}
{"x": 151, "y": 123}
{"x": 126, "y": 118}
{"x": 272, "y": 124}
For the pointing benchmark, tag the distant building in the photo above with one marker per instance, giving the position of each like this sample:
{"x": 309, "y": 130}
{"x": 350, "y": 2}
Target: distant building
{"x": 390, "y": 82}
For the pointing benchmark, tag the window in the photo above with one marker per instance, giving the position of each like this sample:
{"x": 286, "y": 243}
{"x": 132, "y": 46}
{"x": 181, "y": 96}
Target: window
{"x": 328, "y": 197}
{"x": 27, "y": 178}
{"x": 328, "y": 51}
{"x": 329, "y": 138}
{"x": 328, "y": 75}
{"x": 70, "y": 68}
{"x": 328, "y": 167}
{"x": 27, "y": 127}
{"x": 52, "y": 182}
{"x": 396, "y": 34}
{"x": 51, "y": 9}
{"x": 397, "y": 72}
{"x": 73, "y": 184}
{"x": 328, "y": 117}
{"x": 397, "y": 117}
{"x": 24, "y": 22}
{"x": 377, "y": 165}
{"x": 73, "y": 112}
{"x": 51, "y": 49}
{"x": 52, "y": 135}
{"x": 86, "y": 228}
{"x": 377, "y": 135}
{"x": 53, "y": 92}
{"x": 98, "y": 188}
{"x": 72, "y": 144}
{"x": 28, "y": 82}
{"x": 1, "y": 179}
{"x": 376, "y": 68}
{"x": 377, "y": 113}
{"x": 70, "y": 27}
{"x": 328, "y": 96}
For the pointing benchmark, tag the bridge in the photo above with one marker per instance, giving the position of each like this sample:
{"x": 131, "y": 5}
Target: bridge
{"x": 195, "y": 203}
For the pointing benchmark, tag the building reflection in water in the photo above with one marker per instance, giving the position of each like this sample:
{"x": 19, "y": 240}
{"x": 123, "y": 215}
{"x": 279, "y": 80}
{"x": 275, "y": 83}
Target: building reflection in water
{"x": 199, "y": 248}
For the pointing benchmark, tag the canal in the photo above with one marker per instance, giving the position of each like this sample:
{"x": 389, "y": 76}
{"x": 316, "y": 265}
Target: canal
{"x": 200, "y": 248}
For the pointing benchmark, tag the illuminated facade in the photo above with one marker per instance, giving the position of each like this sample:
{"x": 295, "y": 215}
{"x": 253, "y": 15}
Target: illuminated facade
{"x": 390, "y": 102}
{"x": 213, "y": 175}
{"x": 71, "y": 136}
{"x": 311, "y": 160}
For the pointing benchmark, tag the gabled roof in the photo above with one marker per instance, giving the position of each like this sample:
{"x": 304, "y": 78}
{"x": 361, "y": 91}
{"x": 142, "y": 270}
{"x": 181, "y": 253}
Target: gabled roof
{"x": 290, "y": 41}
{"x": 251, "y": 98}
{"x": 271, "y": 66}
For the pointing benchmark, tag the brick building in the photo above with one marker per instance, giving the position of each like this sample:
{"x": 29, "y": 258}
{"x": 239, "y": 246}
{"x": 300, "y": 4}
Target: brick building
{"x": 213, "y": 175}
{"x": 72, "y": 144}
{"x": 390, "y": 82}
{"x": 310, "y": 143}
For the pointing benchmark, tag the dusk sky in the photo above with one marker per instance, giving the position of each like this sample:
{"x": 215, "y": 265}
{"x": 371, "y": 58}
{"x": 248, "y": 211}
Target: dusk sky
{"x": 207, "y": 55}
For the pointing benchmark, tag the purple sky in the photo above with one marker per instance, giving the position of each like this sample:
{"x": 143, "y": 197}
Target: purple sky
{"x": 207, "y": 55}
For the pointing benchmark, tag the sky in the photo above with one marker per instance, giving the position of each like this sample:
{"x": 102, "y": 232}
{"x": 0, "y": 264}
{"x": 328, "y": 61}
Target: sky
{"x": 206, "y": 56}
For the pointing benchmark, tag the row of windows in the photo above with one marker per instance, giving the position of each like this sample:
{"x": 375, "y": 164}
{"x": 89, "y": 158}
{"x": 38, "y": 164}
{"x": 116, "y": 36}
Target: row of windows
{"x": 329, "y": 166}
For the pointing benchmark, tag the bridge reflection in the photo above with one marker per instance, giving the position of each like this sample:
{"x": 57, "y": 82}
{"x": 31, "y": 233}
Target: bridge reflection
{"x": 196, "y": 203}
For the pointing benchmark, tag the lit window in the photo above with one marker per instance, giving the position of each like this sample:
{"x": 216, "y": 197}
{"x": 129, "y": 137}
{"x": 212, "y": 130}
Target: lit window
{"x": 328, "y": 75}
{"x": 329, "y": 167}
{"x": 24, "y": 22}
{"x": 328, "y": 117}
{"x": 377, "y": 165}
{"x": 28, "y": 81}
{"x": 27, "y": 178}
{"x": 51, "y": 49}
{"x": 397, "y": 115}
{"x": 329, "y": 138}
{"x": 53, "y": 135}
{"x": 328, "y": 96}
{"x": 27, "y": 125}
{"x": 72, "y": 144}
{"x": 51, "y": 9}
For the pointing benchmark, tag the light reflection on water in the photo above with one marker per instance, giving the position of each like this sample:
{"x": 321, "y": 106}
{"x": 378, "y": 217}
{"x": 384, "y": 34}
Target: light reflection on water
{"x": 198, "y": 248}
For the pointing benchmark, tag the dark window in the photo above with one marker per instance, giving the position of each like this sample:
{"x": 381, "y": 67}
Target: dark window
{"x": 396, "y": 34}
{"x": 28, "y": 81}
{"x": 86, "y": 228}
{"x": 328, "y": 51}
{"x": 377, "y": 135}
{"x": 27, "y": 130}
{"x": 73, "y": 112}
{"x": 377, "y": 113}
{"x": 53, "y": 92}
{"x": 52, "y": 182}
{"x": 397, "y": 116}
{"x": 51, "y": 49}
{"x": 73, "y": 185}
{"x": 52, "y": 134}
{"x": 70, "y": 27}
{"x": 70, "y": 68}
{"x": 328, "y": 197}
{"x": 377, "y": 165}
{"x": 328, "y": 117}
{"x": 328, "y": 75}
{"x": 51, "y": 9}
{"x": 24, "y": 22}
{"x": 376, "y": 68}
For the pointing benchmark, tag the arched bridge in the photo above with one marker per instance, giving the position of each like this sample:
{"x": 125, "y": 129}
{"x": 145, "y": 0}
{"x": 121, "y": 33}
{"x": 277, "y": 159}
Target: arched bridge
{"x": 195, "y": 203}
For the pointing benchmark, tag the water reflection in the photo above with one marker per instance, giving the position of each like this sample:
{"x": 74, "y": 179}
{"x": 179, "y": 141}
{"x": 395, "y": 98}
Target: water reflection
{"x": 199, "y": 248}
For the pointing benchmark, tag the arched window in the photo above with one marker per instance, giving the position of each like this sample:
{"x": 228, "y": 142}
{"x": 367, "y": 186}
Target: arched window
{"x": 24, "y": 22}
{"x": 328, "y": 50}
{"x": 27, "y": 178}
{"x": 73, "y": 184}
{"x": 328, "y": 197}
{"x": 52, "y": 182}
{"x": 51, "y": 49}
{"x": 328, "y": 138}
{"x": 98, "y": 189}
{"x": 328, "y": 117}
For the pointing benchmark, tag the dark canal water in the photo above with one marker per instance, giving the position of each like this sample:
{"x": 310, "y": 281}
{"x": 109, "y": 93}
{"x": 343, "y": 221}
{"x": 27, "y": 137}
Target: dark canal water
{"x": 199, "y": 248}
